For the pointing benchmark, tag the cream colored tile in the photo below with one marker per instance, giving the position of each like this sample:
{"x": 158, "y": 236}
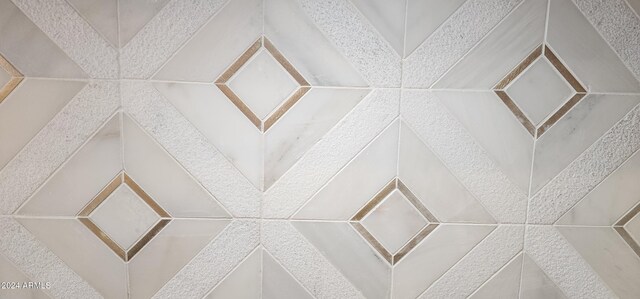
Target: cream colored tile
{"x": 83, "y": 252}
{"x": 4, "y": 77}
{"x": 278, "y": 283}
{"x": 394, "y": 221}
{"x": 353, "y": 257}
{"x": 501, "y": 50}
{"x": 388, "y": 18}
{"x": 134, "y": 14}
{"x": 262, "y": 83}
{"x": 540, "y": 91}
{"x": 176, "y": 245}
{"x": 608, "y": 254}
{"x": 496, "y": 129}
{"x": 28, "y": 109}
{"x": 9, "y": 273}
{"x": 424, "y": 17}
{"x": 217, "y": 44}
{"x": 578, "y": 129}
{"x": 633, "y": 228}
{"x": 434, "y": 185}
{"x": 584, "y": 51}
{"x": 244, "y": 282}
{"x": 163, "y": 178}
{"x": 434, "y": 256}
{"x": 610, "y": 200}
{"x": 536, "y": 284}
{"x": 504, "y": 284}
{"x": 40, "y": 56}
{"x": 305, "y": 123}
{"x": 102, "y": 15}
{"x": 82, "y": 177}
{"x": 124, "y": 216}
{"x": 211, "y": 112}
{"x": 358, "y": 182}
{"x": 300, "y": 41}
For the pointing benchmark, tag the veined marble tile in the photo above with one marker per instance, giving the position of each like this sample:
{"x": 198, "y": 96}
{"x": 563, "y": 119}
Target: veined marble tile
{"x": 217, "y": 44}
{"x": 41, "y": 100}
{"x": 388, "y": 18}
{"x": 501, "y": 50}
{"x": 585, "y": 52}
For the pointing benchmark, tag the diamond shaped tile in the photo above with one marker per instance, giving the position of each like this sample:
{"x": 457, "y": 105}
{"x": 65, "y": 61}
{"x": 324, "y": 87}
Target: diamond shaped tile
{"x": 10, "y": 77}
{"x": 394, "y": 221}
{"x": 633, "y": 227}
{"x": 629, "y": 228}
{"x": 539, "y": 91}
{"x": 124, "y": 216}
{"x": 262, "y": 84}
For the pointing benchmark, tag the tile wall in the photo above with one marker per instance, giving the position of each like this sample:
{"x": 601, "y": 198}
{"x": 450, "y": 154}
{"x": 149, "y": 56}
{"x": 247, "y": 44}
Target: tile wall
{"x": 320, "y": 149}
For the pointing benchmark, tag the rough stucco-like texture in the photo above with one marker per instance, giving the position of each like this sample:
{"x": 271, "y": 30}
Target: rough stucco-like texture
{"x": 363, "y": 177}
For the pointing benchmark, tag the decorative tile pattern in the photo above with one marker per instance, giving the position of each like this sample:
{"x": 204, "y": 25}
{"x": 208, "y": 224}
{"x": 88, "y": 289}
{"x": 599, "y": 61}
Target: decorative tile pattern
{"x": 320, "y": 148}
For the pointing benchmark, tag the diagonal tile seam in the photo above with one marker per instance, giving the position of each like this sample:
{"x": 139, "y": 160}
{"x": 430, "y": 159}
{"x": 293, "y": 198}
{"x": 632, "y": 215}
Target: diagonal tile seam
{"x": 254, "y": 250}
{"x": 99, "y": 32}
{"x": 265, "y": 251}
{"x": 174, "y": 159}
{"x": 333, "y": 176}
{"x": 44, "y": 290}
{"x": 67, "y": 159}
{"x": 455, "y": 175}
{"x": 618, "y": 226}
{"x": 377, "y": 32}
{"x": 631, "y": 111}
{"x": 477, "y": 44}
{"x": 518, "y": 255}
{"x": 524, "y": 254}
{"x": 16, "y": 78}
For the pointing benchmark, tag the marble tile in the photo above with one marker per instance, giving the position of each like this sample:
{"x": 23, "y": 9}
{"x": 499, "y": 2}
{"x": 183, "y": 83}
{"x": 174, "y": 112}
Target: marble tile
{"x": 419, "y": 27}
{"x": 9, "y": 273}
{"x": 539, "y": 91}
{"x": 394, "y": 221}
{"x": 536, "y": 284}
{"x": 244, "y": 281}
{"x": 40, "y": 98}
{"x": 135, "y": 14}
{"x": 635, "y": 5}
{"x": 504, "y": 284}
{"x": 278, "y": 283}
{"x": 388, "y": 19}
{"x": 102, "y": 15}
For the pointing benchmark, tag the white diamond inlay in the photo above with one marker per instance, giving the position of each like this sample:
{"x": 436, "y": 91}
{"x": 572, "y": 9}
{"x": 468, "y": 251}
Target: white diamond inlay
{"x": 540, "y": 91}
{"x": 124, "y": 216}
{"x": 4, "y": 77}
{"x": 394, "y": 221}
{"x": 262, "y": 84}
{"x": 633, "y": 227}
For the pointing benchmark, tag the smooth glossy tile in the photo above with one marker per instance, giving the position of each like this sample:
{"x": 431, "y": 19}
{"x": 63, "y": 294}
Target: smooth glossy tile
{"x": 539, "y": 91}
{"x": 394, "y": 221}
{"x": 244, "y": 281}
{"x": 633, "y": 228}
{"x": 424, "y": 17}
{"x": 504, "y": 284}
{"x": 388, "y": 18}
{"x": 278, "y": 283}
{"x": 135, "y": 14}
{"x": 124, "y": 216}
{"x": 536, "y": 284}
{"x": 102, "y": 15}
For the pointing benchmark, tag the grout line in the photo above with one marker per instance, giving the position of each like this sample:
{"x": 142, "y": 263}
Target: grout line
{"x": 519, "y": 254}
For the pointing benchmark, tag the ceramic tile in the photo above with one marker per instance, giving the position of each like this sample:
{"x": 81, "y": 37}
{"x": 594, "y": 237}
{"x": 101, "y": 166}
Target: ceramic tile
{"x": 42, "y": 100}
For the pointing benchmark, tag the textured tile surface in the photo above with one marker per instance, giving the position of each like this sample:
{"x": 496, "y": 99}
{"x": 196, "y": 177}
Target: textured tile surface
{"x": 320, "y": 149}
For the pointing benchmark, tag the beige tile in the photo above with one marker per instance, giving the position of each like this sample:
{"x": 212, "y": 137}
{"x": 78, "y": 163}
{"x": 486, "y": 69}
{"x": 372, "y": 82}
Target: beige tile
{"x": 536, "y": 284}
{"x": 245, "y": 281}
{"x": 134, "y": 14}
{"x": 504, "y": 284}
{"x": 278, "y": 283}
{"x": 10, "y": 273}
{"x": 102, "y": 15}
{"x": 388, "y": 18}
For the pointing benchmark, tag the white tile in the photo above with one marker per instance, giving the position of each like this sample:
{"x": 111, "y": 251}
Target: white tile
{"x": 176, "y": 245}
{"x": 9, "y": 273}
{"x": 501, "y": 50}
{"x": 496, "y": 129}
{"x": 504, "y": 284}
{"x": 539, "y": 91}
{"x": 432, "y": 257}
{"x": 633, "y": 228}
{"x": 102, "y": 15}
{"x": 212, "y": 50}
{"x": 278, "y": 283}
{"x": 83, "y": 252}
{"x": 536, "y": 284}
{"x": 244, "y": 282}
{"x": 609, "y": 255}
{"x": 163, "y": 178}
{"x": 40, "y": 56}
{"x": 4, "y": 77}
{"x": 82, "y": 177}
{"x": 394, "y": 221}
{"x": 135, "y": 14}
{"x": 41, "y": 100}
{"x": 424, "y": 17}
{"x": 610, "y": 200}
{"x": 303, "y": 125}
{"x": 635, "y": 5}
{"x": 301, "y": 42}
{"x": 358, "y": 182}
{"x": 124, "y": 216}
{"x": 387, "y": 17}
{"x": 583, "y": 50}
{"x": 262, "y": 83}
{"x": 353, "y": 257}
{"x": 578, "y": 129}
{"x": 212, "y": 113}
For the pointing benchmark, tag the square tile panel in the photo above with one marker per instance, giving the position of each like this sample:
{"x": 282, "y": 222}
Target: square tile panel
{"x": 539, "y": 90}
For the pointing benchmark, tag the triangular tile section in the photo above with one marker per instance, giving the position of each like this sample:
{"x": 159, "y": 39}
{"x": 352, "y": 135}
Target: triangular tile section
{"x": 536, "y": 284}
